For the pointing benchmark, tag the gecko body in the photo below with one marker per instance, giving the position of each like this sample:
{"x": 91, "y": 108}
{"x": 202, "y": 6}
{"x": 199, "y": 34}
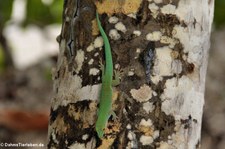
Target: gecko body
{"x": 105, "y": 104}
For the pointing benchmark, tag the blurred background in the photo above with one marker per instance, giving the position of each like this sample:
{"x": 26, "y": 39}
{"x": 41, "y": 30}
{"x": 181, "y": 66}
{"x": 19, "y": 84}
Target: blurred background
{"x": 28, "y": 51}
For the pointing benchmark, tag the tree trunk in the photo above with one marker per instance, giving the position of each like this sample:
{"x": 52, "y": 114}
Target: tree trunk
{"x": 160, "y": 47}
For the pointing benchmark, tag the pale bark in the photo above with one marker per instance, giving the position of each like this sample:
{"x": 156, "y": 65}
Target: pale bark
{"x": 160, "y": 46}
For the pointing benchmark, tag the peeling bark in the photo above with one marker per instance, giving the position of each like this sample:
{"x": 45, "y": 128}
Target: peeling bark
{"x": 160, "y": 46}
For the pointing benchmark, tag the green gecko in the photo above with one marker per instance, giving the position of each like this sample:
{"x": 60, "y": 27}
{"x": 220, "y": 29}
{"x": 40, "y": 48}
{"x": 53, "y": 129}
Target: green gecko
{"x": 105, "y": 106}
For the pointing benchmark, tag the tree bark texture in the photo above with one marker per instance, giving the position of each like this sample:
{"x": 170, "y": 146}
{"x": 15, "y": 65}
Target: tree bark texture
{"x": 160, "y": 47}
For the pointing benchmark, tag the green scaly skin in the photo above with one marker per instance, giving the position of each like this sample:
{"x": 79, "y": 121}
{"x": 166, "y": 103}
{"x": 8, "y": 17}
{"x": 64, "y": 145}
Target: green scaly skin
{"x": 105, "y": 105}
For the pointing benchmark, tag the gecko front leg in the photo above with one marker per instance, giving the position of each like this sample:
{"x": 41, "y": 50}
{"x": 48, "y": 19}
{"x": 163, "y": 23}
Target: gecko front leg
{"x": 117, "y": 76}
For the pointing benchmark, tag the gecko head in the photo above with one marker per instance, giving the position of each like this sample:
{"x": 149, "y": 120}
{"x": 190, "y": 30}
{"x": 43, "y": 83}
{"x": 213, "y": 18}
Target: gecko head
{"x": 100, "y": 132}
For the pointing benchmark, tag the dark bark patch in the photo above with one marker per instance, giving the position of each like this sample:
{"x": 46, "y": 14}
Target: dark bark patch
{"x": 187, "y": 68}
{"x": 165, "y": 124}
{"x": 187, "y": 123}
{"x": 167, "y": 21}
{"x": 77, "y": 27}
{"x": 147, "y": 60}
{"x": 198, "y": 145}
{"x": 73, "y": 129}
{"x": 166, "y": 2}
{"x": 143, "y": 15}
